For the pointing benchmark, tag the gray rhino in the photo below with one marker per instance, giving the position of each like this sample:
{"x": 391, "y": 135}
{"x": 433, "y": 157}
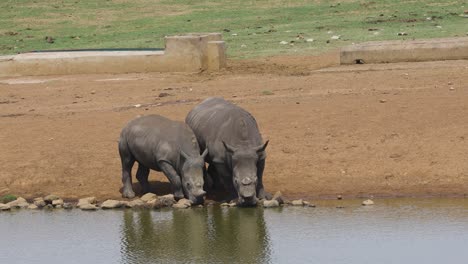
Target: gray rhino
{"x": 236, "y": 150}
{"x": 161, "y": 144}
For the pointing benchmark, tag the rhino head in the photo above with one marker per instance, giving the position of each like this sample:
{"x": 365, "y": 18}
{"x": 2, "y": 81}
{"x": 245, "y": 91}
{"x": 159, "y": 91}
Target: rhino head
{"x": 192, "y": 177}
{"x": 244, "y": 171}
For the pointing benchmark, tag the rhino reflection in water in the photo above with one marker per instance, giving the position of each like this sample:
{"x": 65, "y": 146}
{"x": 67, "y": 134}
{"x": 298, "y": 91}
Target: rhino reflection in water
{"x": 197, "y": 235}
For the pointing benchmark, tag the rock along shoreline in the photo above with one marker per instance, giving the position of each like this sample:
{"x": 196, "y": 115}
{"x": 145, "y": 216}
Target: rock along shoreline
{"x": 147, "y": 201}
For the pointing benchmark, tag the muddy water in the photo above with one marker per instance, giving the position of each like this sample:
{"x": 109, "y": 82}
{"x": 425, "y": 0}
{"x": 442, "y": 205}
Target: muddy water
{"x": 392, "y": 231}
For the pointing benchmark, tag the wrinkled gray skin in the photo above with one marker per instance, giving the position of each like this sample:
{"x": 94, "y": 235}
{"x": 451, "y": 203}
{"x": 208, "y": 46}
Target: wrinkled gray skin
{"x": 161, "y": 144}
{"x": 236, "y": 150}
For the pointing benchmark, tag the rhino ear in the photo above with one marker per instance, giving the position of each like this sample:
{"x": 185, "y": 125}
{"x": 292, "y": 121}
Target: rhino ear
{"x": 229, "y": 148}
{"x": 262, "y": 148}
{"x": 203, "y": 155}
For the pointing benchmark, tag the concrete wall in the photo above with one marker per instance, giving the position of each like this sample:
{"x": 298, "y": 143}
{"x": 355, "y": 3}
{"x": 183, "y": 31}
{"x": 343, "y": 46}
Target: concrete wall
{"x": 193, "y": 52}
{"x": 403, "y": 51}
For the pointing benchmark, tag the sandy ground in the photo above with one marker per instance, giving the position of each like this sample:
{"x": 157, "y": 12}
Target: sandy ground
{"x": 383, "y": 130}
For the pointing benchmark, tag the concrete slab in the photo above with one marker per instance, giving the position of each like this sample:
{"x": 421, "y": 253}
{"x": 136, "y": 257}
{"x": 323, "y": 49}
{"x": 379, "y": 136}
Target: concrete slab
{"x": 187, "y": 53}
{"x": 406, "y": 51}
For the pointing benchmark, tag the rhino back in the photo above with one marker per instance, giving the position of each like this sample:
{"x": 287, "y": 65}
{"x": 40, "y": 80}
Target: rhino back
{"x": 153, "y": 138}
{"x": 216, "y": 120}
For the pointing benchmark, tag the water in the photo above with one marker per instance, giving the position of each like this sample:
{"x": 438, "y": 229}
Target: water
{"x": 392, "y": 231}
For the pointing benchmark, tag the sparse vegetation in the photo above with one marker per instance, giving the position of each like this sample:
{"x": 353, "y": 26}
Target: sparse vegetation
{"x": 267, "y": 92}
{"x": 7, "y": 198}
{"x": 251, "y": 28}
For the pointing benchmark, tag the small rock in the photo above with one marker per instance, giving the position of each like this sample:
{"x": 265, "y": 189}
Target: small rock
{"x": 297, "y": 202}
{"x": 87, "y": 200}
{"x": 4, "y": 207}
{"x": 93, "y": 92}
{"x": 135, "y": 203}
{"x": 67, "y": 206}
{"x": 335, "y": 37}
{"x": 224, "y": 205}
{"x": 49, "y": 39}
{"x": 243, "y": 46}
{"x": 111, "y": 204}
{"x": 33, "y": 207}
{"x": 49, "y": 198}
{"x": 58, "y": 206}
{"x": 164, "y": 94}
{"x": 305, "y": 203}
{"x": 311, "y": 205}
{"x": 185, "y": 201}
{"x": 278, "y": 196}
{"x": 180, "y": 206}
{"x": 452, "y": 89}
{"x": 283, "y": 42}
{"x": 20, "y": 202}
{"x": 57, "y": 202}
{"x": 166, "y": 200}
{"x": 402, "y": 34}
{"x": 49, "y": 206}
{"x": 270, "y": 203}
{"x": 137, "y": 105}
{"x": 232, "y": 204}
{"x": 153, "y": 204}
{"x": 88, "y": 207}
{"x": 368, "y": 202}
{"x": 310, "y": 40}
{"x": 148, "y": 197}
{"x": 382, "y": 101}
{"x": 339, "y": 197}
{"x": 234, "y": 34}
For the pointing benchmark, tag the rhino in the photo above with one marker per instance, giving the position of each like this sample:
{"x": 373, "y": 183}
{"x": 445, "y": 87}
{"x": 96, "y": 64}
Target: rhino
{"x": 161, "y": 144}
{"x": 236, "y": 155}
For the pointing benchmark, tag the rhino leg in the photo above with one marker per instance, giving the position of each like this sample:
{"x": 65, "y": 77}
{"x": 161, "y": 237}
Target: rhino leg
{"x": 127, "y": 160}
{"x": 261, "y": 193}
{"x": 225, "y": 176}
{"x": 174, "y": 178}
{"x": 208, "y": 178}
{"x": 142, "y": 176}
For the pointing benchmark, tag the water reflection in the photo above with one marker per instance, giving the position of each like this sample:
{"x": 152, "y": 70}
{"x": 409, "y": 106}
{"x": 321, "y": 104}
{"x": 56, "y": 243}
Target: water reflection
{"x": 208, "y": 235}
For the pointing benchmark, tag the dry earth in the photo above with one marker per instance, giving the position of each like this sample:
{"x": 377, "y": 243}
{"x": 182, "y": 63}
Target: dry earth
{"x": 383, "y": 130}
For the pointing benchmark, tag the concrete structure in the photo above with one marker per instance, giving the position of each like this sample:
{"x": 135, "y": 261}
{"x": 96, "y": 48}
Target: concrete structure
{"x": 188, "y": 53}
{"x": 402, "y": 51}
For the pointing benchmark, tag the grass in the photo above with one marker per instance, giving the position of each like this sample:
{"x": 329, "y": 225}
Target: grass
{"x": 251, "y": 28}
{"x": 7, "y": 198}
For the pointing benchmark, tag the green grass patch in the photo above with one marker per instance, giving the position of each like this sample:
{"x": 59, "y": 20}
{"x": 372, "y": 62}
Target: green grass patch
{"x": 250, "y": 28}
{"x": 7, "y": 198}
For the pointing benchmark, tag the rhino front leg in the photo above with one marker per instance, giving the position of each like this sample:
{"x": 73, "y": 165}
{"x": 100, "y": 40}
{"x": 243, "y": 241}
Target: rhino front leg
{"x": 174, "y": 178}
{"x": 142, "y": 176}
{"x": 225, "y": 176}
{"x": 261, "y": 193}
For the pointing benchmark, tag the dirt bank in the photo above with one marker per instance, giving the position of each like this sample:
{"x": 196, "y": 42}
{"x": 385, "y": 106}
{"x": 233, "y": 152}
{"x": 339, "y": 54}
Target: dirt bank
{"x": 393, "y": 130}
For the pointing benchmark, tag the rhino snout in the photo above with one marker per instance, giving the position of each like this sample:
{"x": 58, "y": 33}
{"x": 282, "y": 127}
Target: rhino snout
{"x": 246, "y": 181}
{"x": 200, "y": 193}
